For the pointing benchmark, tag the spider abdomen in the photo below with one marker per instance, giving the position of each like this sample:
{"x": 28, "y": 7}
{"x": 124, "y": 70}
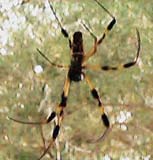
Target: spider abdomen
{"x": 75, "y": 74}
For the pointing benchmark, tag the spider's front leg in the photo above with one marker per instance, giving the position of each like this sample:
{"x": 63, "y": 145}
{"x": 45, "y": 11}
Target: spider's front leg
{"x": 97, "y": 42}
{"x": 104, "y": 117}
{"x": 63, "y": 30}
{"x": 59, "y": 113}
{"x": 121, "y": 66}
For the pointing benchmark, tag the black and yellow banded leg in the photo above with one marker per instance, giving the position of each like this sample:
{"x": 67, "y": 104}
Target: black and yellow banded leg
{"x": 121, "y": 66}
{"x": 94, "y": 48}
{"x": 100, "y": 40}
{"x": 109, "y": 26}
{"x": 97, "y": 42}
{"x": 104, "y": 117}
{"x": 45, "y": 144}
{"x": 63, "y": 31}
{"x": 129, "y": 64}
{"x": 59, "y": 114}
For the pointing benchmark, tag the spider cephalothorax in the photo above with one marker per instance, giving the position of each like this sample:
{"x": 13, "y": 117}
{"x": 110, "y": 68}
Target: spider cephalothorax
{"x": 77, "y": 45}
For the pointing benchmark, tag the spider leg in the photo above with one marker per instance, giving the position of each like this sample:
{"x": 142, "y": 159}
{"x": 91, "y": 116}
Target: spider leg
{"x": 44, "y": 143}
{"x": 58, "y": 155}
{"x": 121, "y": 66}
{"x": 94, "y": 48}
{"x": 63, "y": 31}
{"x": 104, "y": 117}
{"x": 49, "y": 119}
{"x": 109, "y": 26}
{"x": 52, "y": 63}
{"x": 46, "y": 150}
{"x": 129, "y": 64}
{"x": 89, "y": 30}
{"x": 60, "y": 115}
{"x": 97, "y": 42}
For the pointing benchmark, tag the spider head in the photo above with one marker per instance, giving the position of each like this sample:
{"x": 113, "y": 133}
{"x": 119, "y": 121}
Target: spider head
{"x": 77, "y": 42}
{"x": 77, "y": 37}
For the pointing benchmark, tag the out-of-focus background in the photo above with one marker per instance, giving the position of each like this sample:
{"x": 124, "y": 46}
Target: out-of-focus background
{"x": 30, "y": 88}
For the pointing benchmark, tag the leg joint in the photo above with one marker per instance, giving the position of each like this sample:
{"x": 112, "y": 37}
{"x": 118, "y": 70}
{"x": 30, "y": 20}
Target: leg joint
{"x": 56, "y": 131}
{"x": 95, "y": 93}
{"x": 105, "y": 120}
{"x": 64, "y": 32}
{"x": 51, "y": 117}
{"x": 111, "y": 24}
{"x": 101, "y": 39}
{"x": 127, "y": 65}
{"x": 63, "y": 100}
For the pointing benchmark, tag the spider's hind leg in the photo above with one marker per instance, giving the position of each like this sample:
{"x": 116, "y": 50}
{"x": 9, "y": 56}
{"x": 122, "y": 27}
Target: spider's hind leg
{"x": 59, "y": 113}
{"x": 104, "y": 117}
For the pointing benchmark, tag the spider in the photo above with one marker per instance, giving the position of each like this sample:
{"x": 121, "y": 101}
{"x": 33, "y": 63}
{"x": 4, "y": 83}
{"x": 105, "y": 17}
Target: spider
{"x": 76, "y": 73}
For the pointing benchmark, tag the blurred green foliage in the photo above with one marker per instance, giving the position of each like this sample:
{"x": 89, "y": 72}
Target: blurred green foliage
{"x": 130, "y": 90}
